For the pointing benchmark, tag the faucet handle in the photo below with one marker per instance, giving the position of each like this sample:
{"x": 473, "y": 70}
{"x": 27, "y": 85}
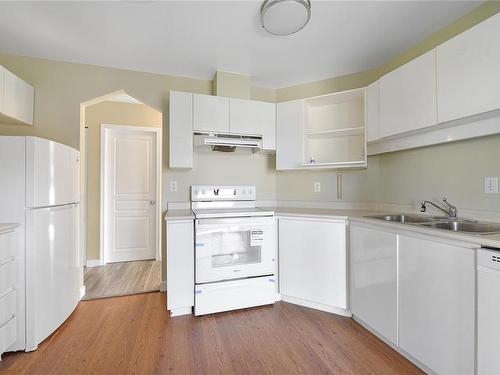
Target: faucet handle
{"x": 423, "y": 207}
{"x": 445, "y": 199}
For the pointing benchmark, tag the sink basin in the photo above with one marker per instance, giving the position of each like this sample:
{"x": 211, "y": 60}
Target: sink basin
{"x": 403, "y": 218}
{"x": 461, "y": 226}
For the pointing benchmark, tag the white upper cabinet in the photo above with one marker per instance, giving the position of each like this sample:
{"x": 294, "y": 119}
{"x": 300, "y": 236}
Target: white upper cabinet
{"x": 16, "y": 99}
{"x": 210, "y": 113}
{"x": 468, "y": 74}
{"x": 180, "y": 130}
{"x": 325, "y": 131}
{"x": 289, "y": 132}
{"x": 408, "y": 96}
{"x": 251, "y": 117}
{"x": 373, "y": 111}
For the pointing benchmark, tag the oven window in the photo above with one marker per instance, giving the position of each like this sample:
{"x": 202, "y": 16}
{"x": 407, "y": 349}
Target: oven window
{"x": 235, "y": 248}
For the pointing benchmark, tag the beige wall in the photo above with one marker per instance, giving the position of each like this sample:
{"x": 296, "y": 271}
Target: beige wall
{"x": 95, "y": 115}
{"x": 455, "y": 170}
{"x": 61, "y": 87}
{"x": 363, "y": 79}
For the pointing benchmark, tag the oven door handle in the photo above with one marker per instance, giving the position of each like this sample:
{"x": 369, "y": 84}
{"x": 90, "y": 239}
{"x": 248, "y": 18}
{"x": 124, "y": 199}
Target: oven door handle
{"x": 233, "y": 221}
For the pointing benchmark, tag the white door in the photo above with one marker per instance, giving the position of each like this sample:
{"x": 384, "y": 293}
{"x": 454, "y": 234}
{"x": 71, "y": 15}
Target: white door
{"x": 129, "y": 178}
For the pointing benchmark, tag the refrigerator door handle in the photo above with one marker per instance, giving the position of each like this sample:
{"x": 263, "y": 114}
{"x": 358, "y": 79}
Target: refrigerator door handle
{"x": 54, "y": 207}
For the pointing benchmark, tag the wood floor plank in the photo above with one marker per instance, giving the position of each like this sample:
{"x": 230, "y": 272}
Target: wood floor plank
{"x": 135, "y": 335}
{"x": 121, "y": 279}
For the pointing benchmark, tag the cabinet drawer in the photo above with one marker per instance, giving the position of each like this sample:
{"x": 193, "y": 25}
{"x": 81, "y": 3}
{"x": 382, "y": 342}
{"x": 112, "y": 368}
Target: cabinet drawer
{"x": 7, "y": 275}
{"x": 6, "y": 247}
{"x": 7, "y": 307}
{"x": 8, "y": 334}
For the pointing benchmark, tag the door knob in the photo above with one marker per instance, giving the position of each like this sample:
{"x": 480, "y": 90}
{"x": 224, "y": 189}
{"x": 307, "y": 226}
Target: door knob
{"x": 152, "y": 203}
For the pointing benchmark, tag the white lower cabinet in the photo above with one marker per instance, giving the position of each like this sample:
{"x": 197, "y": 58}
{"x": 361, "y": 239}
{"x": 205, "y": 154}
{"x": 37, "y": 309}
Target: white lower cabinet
{"x": 312, "y": 263}
{"x": 374, "y": 290}
{"x": 9, "y": 299}
{"x": 417, "y": 292}
{"x": 180, "y": 266}
{"x": 437, "y": 304}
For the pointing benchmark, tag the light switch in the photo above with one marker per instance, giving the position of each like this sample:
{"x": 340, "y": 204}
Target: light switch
{"x": 317, "y": 187}
{"x": 491, "y": 185}
{"x": 173, "y": 186}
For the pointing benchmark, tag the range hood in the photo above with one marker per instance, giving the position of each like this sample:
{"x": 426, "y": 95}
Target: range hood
{"x": 226, "y": 143}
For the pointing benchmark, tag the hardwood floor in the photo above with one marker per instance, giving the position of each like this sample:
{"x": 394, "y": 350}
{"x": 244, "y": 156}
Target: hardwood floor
{"x": 121, "y": 279}
{"x": 134, "y": 335}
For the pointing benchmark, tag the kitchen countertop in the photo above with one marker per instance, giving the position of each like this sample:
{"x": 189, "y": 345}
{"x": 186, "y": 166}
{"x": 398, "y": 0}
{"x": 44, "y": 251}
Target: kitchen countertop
{"x": 7, "y": 227}
{"x": 353, "y": 215}
{"x": 356, "y": 215}
{"x": 185, "y": 214}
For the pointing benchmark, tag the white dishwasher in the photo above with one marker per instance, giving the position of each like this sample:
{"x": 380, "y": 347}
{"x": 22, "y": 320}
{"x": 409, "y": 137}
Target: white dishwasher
{"x": 488, "y": 311}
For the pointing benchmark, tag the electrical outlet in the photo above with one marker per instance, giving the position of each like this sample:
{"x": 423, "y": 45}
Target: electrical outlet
{"x": 491, "y": 185}
{"x": 173, "y": 186}
{"x": 317, "y": 187}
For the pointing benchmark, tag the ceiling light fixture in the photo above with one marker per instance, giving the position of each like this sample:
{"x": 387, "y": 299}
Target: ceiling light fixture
{"x": 285, "y": 17}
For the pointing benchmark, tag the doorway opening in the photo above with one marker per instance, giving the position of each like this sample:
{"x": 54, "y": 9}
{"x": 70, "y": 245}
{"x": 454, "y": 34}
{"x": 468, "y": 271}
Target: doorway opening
{"x": 121, "y": 182}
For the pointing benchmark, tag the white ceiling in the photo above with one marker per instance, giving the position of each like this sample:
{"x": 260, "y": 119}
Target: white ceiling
{"x": 196, "y": 38}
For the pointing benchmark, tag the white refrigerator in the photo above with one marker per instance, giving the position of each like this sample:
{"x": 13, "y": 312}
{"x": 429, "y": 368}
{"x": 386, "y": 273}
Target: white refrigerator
{"x": 39, "y": 189}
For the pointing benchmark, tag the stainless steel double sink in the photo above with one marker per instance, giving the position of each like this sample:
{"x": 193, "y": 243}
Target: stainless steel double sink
{"x": 442, "y": 222}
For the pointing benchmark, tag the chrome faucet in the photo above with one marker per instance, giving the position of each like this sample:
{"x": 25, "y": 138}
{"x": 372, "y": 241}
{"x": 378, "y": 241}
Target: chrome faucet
{"x": 451, "y": 210}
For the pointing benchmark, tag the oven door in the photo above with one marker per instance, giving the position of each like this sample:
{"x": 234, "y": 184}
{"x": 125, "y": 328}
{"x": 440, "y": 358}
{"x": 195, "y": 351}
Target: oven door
{"x": 233, "y": 248}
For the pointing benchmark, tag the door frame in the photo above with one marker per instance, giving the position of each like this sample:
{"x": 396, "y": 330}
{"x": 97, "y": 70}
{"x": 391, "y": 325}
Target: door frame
{"x": 105, "y": 129}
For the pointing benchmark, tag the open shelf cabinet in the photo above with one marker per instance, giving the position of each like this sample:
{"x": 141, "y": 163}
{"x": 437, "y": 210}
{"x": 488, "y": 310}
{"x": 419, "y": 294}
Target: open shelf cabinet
{"x": 327, "y": 131}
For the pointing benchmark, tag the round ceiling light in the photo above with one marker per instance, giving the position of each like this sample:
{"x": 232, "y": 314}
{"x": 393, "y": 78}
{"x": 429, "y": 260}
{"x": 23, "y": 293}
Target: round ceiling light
{"x": 285, "y": 17}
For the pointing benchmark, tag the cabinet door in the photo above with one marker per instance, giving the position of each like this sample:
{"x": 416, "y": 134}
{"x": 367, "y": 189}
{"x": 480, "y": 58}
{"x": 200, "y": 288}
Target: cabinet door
{"x": 373, "y": 265}
{"x": 2, "y": 88}
{"x": 289, "y": 134}
{"x": 437, "y": 304}
{"x": 408, "y": 96}
{"x": 180, "y": 130}
{"x": 180, "y": 266}
{"x": 211, "y": 113}
{"x": 468, "y": 73}
{"x": 18, "y": 98}
{"x": 251, "y": 117}
{"x": 373, "y": 111}
{"x": 312, "y": 262}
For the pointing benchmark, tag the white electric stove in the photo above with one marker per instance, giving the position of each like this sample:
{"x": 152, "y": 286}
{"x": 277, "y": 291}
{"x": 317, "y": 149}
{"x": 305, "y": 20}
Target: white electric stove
{"x": 235, "y": 249}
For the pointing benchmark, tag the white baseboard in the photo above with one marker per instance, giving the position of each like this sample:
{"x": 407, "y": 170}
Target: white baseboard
{"x": 394, "y": 346}
{"x": 181, "y": 311}
{"x": 83, "y": 290}
{"x": 163, "y": 286}
{"x": 93, "y": 263}
{"x": 316, "y": 306}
